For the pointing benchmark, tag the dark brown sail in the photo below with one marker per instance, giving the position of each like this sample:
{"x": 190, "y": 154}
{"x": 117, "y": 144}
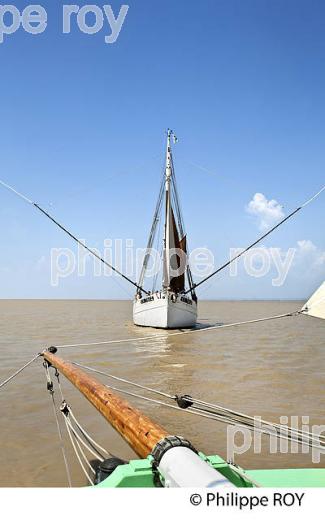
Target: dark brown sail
{"x": 177, "y": 261}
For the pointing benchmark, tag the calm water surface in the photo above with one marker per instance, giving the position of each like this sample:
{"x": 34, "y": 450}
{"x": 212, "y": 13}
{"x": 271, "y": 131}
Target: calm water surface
{"x": 268, "y": 369}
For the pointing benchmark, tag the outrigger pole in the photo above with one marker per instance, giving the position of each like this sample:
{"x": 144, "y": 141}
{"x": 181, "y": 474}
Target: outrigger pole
{"x": 138, "y": 430}
{"x": 10, "y": 188}
{"x": 257, "y": 241}
{"x": 172, "y": 457}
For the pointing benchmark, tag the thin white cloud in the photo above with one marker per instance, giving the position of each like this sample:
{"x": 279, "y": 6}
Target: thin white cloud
{"x": 305, "y": 261}
{"x": 309, "y": 254}
{"x": 267, "y": 212}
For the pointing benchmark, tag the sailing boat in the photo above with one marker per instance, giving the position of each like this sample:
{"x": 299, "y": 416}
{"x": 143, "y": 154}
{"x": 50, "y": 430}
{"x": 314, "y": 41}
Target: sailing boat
{"x": 175, "y": 304}
{"x": 169, "y": 307}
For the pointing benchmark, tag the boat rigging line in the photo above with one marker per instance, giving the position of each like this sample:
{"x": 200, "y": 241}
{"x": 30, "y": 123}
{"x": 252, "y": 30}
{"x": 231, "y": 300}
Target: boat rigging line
{"x": 79, "y": 451}
{"x": 91, "y": 251}
{"x": 180, "y": 332}
{"x": 153, "y": 336}
{"x": 156, "y": 220}
{"x": 219, "y": 413}
{"x": 78, "y": 436}
{"x": 4, "y": 383}
{"x": 50, "y": 389}
{"x": 280, "y": 431}
{"x": 304, "y": 311}
{"x": 257, "y": 241}
{"x": 101, "y": 452}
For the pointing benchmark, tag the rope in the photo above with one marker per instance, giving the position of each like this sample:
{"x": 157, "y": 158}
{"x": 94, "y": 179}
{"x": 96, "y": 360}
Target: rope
{"x": 159, "y": 248}
{"x": 155, "y": 222}
{"x": 258, "y": 240}
{"x": 242, "y": 474}
{"x": 202, "y": 405}
{"x": 79, "y": 242}
{"x": 77, "y": 455}
{"x": 224, "y": 419}
{"x": 313, "y": 197}
{"x": 19, "y": 371}
{"x": 182, "y": 332}
{"x": 57, "y": 375}
{"x": 86, "y": 434}
{"x": 81, "y": 451}
{"x": 66, "y": 407}
{"x": 83, "y": 443}
{"x": 217, "y": 412}
{"x": 76, "y": 440}
{"x": 51, "y": 392}
{"x": 16, "y": 192}
{"x": 158, "y": 392}
{"x": 78, "y": 443}
{"x": 307, "y": 308}
{"x": 233, "y": 412}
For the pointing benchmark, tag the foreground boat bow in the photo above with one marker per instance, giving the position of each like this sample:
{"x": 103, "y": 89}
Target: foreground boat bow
{"x": 167, "y": 460}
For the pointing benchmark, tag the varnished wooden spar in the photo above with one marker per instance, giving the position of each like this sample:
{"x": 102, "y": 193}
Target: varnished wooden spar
{"x": 138, "y": 430}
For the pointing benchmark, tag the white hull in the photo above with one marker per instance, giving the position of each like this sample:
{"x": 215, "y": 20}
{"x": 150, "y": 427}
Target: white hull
{"x": 165, "y": 311}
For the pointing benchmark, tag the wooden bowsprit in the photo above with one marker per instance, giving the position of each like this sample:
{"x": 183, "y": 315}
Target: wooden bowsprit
{"x": 139, "y": 431}
{"x": 172, "y": 457}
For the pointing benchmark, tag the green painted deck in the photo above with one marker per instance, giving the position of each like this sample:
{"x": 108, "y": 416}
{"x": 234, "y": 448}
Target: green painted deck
{"x": 138, "y": 474}
{"x": 314, "y": 477}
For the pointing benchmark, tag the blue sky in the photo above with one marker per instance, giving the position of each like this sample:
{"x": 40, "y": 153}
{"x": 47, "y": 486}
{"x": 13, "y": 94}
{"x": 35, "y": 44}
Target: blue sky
{"x": 82, "y": 127}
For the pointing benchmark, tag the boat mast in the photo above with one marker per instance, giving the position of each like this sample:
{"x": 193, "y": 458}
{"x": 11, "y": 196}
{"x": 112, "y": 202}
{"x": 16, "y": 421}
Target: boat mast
{"x": 170, "y": 224}
{"x": 168, "y": 176}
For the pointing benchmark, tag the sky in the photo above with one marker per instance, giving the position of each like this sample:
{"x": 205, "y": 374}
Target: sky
{"x": 82, "y": 132}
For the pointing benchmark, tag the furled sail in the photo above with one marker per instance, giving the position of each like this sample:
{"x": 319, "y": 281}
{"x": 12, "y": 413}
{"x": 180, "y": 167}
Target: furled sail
{"x": 183, "y": 245}
{"x": 316, "y": 304}
{"x": 177, "y": 258}
{"x": 174, "y": 255}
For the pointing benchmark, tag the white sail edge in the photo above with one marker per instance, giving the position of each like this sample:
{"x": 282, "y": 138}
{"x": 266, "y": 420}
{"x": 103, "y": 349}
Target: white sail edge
{"x": 315, "y": 306}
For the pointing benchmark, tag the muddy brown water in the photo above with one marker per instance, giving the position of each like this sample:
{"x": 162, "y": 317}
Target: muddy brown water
{"x": 270, "y": 369}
